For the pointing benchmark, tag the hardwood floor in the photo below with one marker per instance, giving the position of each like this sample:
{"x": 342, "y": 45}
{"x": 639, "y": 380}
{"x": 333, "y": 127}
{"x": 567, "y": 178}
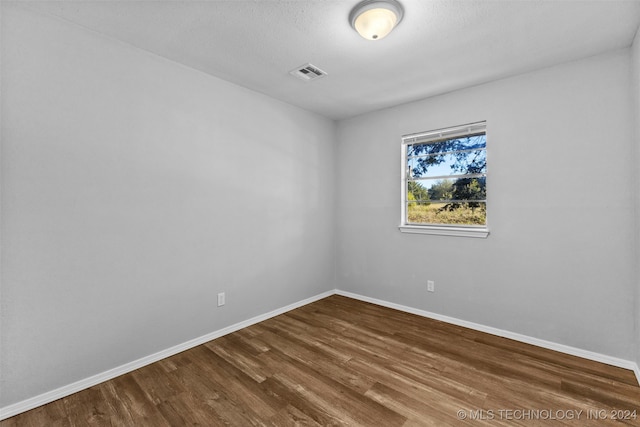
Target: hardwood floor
{"x": 340, "y": 361}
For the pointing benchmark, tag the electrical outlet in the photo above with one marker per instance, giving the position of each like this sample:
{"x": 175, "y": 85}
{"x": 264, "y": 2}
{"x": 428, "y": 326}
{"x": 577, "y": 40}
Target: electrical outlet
{"x": 221, "y": 299}
{"x": 431, "y": 286}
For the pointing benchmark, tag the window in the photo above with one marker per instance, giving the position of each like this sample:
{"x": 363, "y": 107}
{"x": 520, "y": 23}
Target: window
{"x": 444, "y": 181}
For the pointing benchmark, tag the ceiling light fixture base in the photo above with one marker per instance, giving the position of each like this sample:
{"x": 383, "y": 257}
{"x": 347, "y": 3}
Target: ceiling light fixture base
{"x": 375, "y": 19}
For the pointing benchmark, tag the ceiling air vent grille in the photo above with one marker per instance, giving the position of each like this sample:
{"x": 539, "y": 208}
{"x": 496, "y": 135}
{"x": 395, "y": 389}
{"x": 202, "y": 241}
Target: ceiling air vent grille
{"x": 308, "y": 72}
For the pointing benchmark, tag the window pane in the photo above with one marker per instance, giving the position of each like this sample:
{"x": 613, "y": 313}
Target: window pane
{"x": 417, "y": 191}
{"x": 474, "y": 213}
{"x": 445, "y": 177}
{"x": 447, "y": 189}
{"x": 456, "y": 144}
{"x": 446, "y": 164}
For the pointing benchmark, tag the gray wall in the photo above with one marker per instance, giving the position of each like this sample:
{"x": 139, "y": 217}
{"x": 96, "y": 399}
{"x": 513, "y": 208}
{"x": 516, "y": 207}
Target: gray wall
{"x": 635, "y": 75}
{"x": 134, "y": 190}
{"x": 559, "y": 263}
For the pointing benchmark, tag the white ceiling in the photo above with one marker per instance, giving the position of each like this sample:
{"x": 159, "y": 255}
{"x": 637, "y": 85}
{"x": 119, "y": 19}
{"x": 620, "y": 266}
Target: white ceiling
{"x": 439, "y": 46}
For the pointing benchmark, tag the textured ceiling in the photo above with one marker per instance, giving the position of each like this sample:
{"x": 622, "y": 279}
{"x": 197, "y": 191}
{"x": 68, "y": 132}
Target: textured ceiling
{"x": 438, "y": 47}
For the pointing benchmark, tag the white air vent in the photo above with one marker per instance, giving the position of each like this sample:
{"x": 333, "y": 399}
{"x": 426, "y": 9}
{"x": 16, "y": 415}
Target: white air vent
{"x": 307, "y": 72}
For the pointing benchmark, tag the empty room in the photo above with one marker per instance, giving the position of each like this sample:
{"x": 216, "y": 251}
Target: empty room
{"x": 322, "y": 212}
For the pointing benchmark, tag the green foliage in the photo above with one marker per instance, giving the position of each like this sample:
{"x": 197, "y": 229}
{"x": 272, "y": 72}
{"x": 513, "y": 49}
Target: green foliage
{"x": 468, "y": 189}
{"x": 415, "y": 191}
{"x": 411, "y": 199}
{"x": 441, "y": 190}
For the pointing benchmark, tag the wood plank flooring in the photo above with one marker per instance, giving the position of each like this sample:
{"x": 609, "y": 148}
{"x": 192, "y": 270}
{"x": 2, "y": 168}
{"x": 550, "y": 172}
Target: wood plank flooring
{"x": 339, "y": 361}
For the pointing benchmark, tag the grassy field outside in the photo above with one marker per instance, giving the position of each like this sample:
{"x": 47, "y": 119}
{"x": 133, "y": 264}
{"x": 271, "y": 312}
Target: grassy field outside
{"x": 432, "y": 214}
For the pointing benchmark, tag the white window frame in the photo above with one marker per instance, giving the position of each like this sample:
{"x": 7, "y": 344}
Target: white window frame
{"x": 480, "y": 231}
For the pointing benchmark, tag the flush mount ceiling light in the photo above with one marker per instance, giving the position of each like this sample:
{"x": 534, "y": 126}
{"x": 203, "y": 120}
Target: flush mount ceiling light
{"x": 374, "y": 19}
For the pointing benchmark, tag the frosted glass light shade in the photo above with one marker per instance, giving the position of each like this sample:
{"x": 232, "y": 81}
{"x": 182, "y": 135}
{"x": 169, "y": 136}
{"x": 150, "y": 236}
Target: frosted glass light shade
{"x": 375, "y": 19}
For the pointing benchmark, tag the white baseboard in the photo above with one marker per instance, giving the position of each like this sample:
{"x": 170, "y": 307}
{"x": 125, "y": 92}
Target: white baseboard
{"x": 585, "y": 354}
{"x": 34, "y": 402}
{"x": 50, "y": 396}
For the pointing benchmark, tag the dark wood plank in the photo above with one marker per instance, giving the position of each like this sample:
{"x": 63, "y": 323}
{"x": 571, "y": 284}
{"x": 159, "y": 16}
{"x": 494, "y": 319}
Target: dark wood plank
{"x": 340, "y": 361}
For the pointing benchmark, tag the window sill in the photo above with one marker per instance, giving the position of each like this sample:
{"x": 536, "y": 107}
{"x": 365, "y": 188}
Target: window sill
{"x": 479, "y": 232}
